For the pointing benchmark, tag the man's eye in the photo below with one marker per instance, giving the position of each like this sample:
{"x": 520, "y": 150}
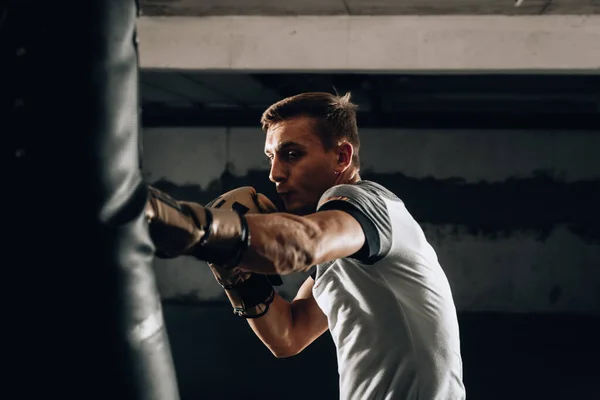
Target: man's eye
{"x": 293, "y": 154}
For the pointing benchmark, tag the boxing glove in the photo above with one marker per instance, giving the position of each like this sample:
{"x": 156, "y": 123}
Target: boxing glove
{"x": 249, "y": 293}
{"x": 186, "y": 228}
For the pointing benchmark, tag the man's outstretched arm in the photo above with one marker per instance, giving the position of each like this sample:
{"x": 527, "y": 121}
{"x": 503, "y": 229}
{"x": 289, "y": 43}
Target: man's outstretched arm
{"x": 284, "y": 243}
{"x": 278, "y": 243}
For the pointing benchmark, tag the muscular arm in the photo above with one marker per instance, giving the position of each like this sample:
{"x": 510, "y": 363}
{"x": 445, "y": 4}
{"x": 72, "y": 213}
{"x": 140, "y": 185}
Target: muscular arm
{"x": 287, "y": 328}
{"x": 284, "y": 243}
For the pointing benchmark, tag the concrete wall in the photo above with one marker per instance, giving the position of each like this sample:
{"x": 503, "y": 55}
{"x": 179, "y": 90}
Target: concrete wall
{"x": 512, "y": 215}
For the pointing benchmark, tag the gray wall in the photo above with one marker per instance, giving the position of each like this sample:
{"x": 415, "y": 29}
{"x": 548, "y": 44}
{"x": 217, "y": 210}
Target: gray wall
{"x": 511, "y": 214}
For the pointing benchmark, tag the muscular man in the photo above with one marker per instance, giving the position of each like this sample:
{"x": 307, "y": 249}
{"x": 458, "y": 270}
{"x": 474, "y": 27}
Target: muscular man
{"x": 377, "y": 286}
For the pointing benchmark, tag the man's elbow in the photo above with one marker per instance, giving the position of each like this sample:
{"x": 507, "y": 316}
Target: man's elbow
{"x": 285, "y": 352}
{"x": 281, "y": 354}
{"x": 285, "y": 349}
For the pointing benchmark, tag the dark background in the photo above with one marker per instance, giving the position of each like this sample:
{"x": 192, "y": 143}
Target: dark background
{"x": 506, "y": 355}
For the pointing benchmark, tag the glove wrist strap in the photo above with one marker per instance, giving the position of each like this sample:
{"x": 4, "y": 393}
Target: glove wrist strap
{"x": 252, "y": 297}
{"x": 226, "y": 239}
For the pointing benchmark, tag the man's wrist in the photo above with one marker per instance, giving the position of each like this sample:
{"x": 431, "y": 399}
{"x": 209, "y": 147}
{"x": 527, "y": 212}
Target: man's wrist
{"x": 226, "y": 240}
{"x": 251, "y": 297}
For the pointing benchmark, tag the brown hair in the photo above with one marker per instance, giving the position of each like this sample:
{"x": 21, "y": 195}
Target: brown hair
{"x": 335, "y": 117}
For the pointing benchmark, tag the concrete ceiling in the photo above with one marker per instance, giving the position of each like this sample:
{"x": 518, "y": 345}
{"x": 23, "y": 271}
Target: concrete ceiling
{"x": 367, "y": 7}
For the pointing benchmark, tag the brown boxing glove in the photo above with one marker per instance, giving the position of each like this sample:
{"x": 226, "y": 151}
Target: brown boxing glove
{"x": 185, "y": 228}
{"x": 249, "y": 293}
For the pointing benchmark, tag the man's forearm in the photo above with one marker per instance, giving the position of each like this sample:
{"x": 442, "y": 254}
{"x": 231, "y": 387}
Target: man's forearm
{"x": 288, "y": 327}
{"x": 280, "y": 244}
{"x": 274, "y": 328}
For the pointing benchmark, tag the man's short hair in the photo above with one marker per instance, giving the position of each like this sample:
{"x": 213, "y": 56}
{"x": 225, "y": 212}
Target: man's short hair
{"x": 334, "y": 116}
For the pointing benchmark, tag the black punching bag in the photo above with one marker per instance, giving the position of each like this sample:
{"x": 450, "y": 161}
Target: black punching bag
{"x": 81, "y": 315}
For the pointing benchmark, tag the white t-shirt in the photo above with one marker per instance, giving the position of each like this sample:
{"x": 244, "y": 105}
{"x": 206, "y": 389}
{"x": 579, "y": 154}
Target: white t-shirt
{"x": 389, "y": 307}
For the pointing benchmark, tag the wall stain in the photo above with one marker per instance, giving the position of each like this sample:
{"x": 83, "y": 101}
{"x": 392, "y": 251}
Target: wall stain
{"x": 534, "y": 205}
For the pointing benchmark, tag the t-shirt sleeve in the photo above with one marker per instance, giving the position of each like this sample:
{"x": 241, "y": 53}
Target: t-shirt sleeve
{"x": 370, "y": 210}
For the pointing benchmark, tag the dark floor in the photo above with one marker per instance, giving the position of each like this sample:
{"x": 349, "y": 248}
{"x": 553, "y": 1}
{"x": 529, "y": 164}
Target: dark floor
{"x": 505, "y": 356}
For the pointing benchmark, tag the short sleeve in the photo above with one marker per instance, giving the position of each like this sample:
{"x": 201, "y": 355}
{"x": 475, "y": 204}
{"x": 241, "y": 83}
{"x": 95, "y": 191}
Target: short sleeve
{"x": 370, "y": 210}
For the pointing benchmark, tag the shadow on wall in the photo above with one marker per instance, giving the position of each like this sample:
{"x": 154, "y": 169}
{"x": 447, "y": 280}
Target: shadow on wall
{"x": 534, "y": 204}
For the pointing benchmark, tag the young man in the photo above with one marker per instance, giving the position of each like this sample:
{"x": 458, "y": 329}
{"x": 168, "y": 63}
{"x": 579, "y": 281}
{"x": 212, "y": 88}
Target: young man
{"x": 378, "y": 286}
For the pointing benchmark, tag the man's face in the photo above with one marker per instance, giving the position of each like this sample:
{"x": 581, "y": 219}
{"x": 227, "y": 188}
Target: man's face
{"x": 300, "y": 167}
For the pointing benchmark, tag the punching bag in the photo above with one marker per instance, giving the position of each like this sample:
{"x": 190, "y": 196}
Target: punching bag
{"x": 81, "y": 315}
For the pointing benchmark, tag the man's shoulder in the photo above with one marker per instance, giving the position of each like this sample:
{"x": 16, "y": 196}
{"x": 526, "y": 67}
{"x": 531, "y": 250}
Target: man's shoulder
{"x": 360, "y": 185}
{"x": 364, "y": 194}
{"x": 362, "y": 188}
{"x": 376, "y": 189}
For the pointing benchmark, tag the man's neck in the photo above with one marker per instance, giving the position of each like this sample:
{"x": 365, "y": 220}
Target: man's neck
{"x": 348, "y": 177}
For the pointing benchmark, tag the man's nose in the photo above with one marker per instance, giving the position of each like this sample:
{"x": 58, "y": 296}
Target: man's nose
{"x": 278, "y": 171}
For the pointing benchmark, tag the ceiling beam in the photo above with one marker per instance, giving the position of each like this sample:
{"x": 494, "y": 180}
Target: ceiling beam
{"x": 415, "y": 120}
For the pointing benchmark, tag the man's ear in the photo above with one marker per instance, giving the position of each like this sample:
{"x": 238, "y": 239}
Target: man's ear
{"x": 344, "y": 153}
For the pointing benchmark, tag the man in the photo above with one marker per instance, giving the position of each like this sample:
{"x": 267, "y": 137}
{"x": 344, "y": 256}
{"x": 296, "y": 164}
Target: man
{"x": 377, "y": 286}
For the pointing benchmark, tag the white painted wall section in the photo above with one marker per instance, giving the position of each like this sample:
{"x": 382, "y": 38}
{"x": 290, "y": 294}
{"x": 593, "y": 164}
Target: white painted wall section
{"x": 372, "y": 43}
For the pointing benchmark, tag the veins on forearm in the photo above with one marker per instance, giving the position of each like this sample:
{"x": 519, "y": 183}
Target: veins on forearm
{"x": 281, "y": 243}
